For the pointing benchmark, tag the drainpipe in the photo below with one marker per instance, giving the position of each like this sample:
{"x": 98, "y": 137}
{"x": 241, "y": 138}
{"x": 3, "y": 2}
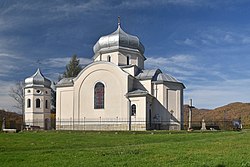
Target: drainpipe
{"x": 129, "y": 114}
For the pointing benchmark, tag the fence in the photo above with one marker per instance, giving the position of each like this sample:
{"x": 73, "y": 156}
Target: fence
{"x": 119, "y": 124}
{"x": 217, "y": 125}
{"x": 11, "y": 124}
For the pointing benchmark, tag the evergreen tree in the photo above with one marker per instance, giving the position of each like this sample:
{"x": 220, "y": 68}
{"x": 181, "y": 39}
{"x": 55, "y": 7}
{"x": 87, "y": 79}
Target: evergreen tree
{"x": 73, "y": 68}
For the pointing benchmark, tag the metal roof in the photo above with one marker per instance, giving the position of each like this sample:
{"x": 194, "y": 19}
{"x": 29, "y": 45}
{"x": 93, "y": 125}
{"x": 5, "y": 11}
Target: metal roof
{"x": 148, "y": 74}
{"x": 65, "y": 82}
{"x": 157, "y": 76}
{"x": 166, "y": 77}
{"x": 137, "y": 92}
{"x": 119, "y": 38}
{"x": 37, "y": 79}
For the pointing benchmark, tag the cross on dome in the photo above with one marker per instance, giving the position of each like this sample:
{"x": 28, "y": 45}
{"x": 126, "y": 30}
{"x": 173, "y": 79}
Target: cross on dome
{"x": 119, "y": 21}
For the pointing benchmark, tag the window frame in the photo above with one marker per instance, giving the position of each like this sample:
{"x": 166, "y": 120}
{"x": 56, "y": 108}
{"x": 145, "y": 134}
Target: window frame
{"x": 128, "y": 60}
{"x": 133, "y": 110}
{"x": 46, "y": 104}
{"x": 109, "y": 58}
{"x": 28, "y": 103}
{"x": 38, "y": 101}
{"x": 99, "y": 95}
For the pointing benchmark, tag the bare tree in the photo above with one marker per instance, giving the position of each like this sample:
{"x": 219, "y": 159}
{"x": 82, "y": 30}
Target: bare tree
{"x": 17, "y": 93}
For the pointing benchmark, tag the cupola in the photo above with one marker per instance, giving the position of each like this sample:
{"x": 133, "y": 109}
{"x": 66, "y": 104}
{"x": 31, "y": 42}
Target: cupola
{"x": 38, "y": 80}
{"x": 118, "y": 39}
{"x": 120, "y": 48}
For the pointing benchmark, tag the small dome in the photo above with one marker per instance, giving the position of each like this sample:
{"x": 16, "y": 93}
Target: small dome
{"x": 118, "y": 39}
{"x": 37, "y": 79}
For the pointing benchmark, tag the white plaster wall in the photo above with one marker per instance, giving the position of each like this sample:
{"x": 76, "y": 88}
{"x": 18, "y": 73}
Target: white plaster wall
{"x": 131, "y": 70}
{"x": 147, "y": 85}
{"x": 131, "y": 81}
{"x": 141, "y": 108}
{"x": 116, "y": 87}
{"x": 35, "y": 116}
{"x": 172, "y": 101}
{"x": 104, "y": 57}
{"x": 64, "y": 103}
{"x": 120, "y": 58}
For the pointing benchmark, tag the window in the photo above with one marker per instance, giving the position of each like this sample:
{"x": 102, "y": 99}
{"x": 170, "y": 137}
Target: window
{"x": 38, "y": 91}
{"x": 99, "y": 96}
{"x": 46, "y": 104}
{"x": 127, "y": 60}
{"x": 38, "y": 103}
{"x": 28, "y": 91}
{"x": 28, "y": 103}
{"x": 109, "y": 59}
{"x": 133, "y": 112}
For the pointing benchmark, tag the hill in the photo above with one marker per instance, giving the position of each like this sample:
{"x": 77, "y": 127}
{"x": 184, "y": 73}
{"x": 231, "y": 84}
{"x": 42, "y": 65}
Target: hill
{"x": 13, "y": 120}
{"x": 227, "y": 113}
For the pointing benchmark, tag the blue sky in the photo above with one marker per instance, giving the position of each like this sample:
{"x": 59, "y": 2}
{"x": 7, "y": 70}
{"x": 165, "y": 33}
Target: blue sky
{"x": 204, "y": 44}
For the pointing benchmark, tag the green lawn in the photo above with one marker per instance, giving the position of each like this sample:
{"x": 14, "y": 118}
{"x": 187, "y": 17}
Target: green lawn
{"x": 156, "y": 148}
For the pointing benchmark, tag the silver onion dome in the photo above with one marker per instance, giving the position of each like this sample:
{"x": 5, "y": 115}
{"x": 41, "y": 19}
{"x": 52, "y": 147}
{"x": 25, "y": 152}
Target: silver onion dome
{"x": 118, "y": 39}
{"x": 37, "y": 79}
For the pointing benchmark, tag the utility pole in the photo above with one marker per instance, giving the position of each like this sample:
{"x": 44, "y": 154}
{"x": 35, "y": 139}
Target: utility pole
{"x": 190, "y": 106}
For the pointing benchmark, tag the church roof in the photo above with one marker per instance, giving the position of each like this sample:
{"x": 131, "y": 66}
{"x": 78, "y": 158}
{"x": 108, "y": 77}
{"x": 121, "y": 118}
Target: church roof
{"x": 65, "y": 82}
{"x": 157, "y": 76}
{"x": 137, "y": 92}
{"x": 118, "y": 39}
{"x": 148, "y": 74}
{"x": 37, "y": 79}
{"x": 166, "y": 77}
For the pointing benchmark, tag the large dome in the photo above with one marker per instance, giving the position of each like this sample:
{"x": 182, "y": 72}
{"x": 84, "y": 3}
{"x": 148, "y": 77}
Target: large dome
{"x": 118, "y": 39}
{"x": 37, "y": 79}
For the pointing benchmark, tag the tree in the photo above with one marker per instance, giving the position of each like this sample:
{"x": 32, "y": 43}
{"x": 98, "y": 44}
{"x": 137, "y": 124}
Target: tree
{"x": 53, "y": 97}
{"x": 17, "y": 93}
{"x": 73, "y": 68}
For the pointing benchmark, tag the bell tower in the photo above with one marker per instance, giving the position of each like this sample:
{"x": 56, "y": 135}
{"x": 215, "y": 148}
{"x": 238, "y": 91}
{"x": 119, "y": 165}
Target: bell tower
{"x": 37, "y": 95}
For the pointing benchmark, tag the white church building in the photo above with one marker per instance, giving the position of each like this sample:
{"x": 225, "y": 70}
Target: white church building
{"x": 114, "y": 92}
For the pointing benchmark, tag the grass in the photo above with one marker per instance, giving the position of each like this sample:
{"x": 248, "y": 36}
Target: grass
{"x": 157, "y": 148}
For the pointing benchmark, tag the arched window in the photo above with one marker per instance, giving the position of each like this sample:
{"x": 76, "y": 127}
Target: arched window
{"x": 46, "y": 104}
{"x": 38, "y": 103}
{"x": 28, "y": 103}
{"x": 99, "y": 96}
{"x": 133, "y": 108}
{"x": 127, "y": 60}
{"x": 109, "y": 59}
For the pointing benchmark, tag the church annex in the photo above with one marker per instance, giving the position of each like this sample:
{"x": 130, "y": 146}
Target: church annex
{"x": 115, "y": 92}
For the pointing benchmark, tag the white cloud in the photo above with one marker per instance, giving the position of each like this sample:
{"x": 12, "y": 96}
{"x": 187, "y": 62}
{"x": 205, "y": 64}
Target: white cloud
{"x": 148, "y": 3}
{"x": 91, "y": 5}
{"x": 6, "y": 55}
{"x": 62, "y": 62}
{"x": 8, "y": 63}
{"x": 187, "y": 41}
{"x": 180, "y": 65}
{"x": 209, "y": 87}
{"x": 6, "y": 102}
{"x": 228, "y": 38}
{"x": 97, "y": 5}
{"x": 246, "y": 40}
{"x": 217, "y": 93}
